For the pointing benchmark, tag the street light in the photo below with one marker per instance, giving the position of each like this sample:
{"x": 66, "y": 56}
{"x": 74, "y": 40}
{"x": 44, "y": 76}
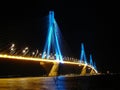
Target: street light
{"x": 12, "y": 49}
{"x": 25, "y": 51}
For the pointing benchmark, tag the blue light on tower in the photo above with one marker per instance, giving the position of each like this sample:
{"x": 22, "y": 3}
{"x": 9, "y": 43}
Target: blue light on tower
{"x": 91, "y": 61}
{"x": 94, "y": 65}
{"x": 52, "y": 39}
{"x": 83, "y": 55}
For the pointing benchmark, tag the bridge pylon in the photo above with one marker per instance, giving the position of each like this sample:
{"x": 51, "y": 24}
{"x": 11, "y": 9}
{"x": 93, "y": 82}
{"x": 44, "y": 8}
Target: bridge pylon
{"x": 52, "y": 41}
{"x": 83, "y": 72}
{"x": 54, "y": 69}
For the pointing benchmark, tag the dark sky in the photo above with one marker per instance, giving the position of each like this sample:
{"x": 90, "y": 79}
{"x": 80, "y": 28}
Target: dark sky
{"x": 80, "y": 21}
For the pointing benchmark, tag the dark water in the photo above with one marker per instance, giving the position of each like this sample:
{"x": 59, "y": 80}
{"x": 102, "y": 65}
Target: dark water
{"x": 99, "y": 82}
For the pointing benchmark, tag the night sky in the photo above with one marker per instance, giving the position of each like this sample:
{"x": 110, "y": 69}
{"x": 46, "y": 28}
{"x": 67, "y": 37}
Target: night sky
{"x": 22, "y": 22}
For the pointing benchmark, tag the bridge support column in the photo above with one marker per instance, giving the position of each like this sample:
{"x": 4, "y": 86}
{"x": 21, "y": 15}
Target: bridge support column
{"x": 92, "y": 72}
{"x": 83, "y": 72}
{"x": 54, "y": 69}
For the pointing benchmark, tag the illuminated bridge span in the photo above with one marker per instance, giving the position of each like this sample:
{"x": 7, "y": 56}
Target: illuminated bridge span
{"x": 82, "y": 68}
{"x": 57, "y": 65}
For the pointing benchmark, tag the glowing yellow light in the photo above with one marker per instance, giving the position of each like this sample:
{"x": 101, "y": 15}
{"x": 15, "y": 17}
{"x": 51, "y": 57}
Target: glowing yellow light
{"x": 26, "y": 48}
{"x": 12, "y": 49}
{"x": 33, "y": 53}
{"x": 13, "y": 45}
{"x": 43, "y": 60}
{"x": 23, "y": 51}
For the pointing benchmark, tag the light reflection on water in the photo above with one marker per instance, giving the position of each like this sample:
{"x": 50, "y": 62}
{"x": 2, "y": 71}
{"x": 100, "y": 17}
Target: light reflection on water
{"x": 32, "y": 83}
{"x": 61, "y": 83}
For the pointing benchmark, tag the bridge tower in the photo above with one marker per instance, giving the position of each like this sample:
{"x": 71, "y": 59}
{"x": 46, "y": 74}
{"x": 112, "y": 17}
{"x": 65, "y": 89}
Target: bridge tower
{"x": 83, "y": 59}
{"x": 52, "y": 41}
{"x": 52, "y": 44}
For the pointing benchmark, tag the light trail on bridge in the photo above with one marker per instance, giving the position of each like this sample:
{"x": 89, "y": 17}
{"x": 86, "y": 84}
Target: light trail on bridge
{"x": 43, "y": 60}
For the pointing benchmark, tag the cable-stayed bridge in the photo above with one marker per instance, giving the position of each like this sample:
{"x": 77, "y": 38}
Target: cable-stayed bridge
{"x": 56, "y": 64}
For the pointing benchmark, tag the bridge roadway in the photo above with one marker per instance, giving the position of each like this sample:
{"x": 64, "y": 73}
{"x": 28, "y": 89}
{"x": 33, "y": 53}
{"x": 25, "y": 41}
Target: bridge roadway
{"x": 54, "y": 70}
